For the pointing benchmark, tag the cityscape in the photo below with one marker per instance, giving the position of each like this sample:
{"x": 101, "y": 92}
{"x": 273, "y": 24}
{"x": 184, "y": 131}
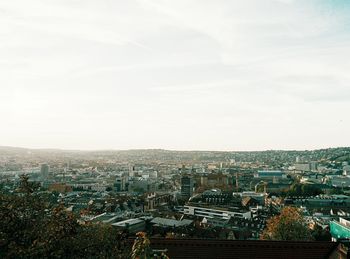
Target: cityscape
{"x": 187, "y": 129}
{"x": 191, "y": 195}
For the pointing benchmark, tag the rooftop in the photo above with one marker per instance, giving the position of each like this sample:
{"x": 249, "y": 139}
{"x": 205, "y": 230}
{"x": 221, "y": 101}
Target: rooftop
{"x": 171, "y": 222}
{"x": 216, "y": 207}
{"x": 127, "y": 222}
{"x": 247, "y": 249}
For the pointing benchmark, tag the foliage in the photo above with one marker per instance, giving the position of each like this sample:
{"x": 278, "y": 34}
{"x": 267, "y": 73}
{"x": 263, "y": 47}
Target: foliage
{"x": 304, "y": 190}
{"x": 31, "y": 227}
{"x": 320, "y": 234}
{"x": 139, "y": 190}
{"x": 336, "y": 191}
{"x": 289, "y": 225}
{"x": 141, "y": 247}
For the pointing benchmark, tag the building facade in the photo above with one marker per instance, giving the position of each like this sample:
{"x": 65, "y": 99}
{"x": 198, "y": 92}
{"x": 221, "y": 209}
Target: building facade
{"x": 219, "y": 213}
{"x": 186, "y": 186}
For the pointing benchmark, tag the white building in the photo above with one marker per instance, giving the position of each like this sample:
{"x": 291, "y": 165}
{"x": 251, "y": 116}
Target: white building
{"x": 220, "y": 213}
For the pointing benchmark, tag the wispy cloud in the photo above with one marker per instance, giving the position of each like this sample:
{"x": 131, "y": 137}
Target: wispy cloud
{"x": 188, "y": 74}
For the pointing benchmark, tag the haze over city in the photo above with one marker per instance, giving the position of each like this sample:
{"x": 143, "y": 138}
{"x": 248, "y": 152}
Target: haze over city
{"x": 185, "y": 75}
{"x": 180, "y": 129}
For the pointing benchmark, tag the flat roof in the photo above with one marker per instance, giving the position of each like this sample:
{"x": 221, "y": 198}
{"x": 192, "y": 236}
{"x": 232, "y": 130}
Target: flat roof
{"x": 171, "y": 222}
{"x": 216, "y": 207}
{"x": 124, "y": 223}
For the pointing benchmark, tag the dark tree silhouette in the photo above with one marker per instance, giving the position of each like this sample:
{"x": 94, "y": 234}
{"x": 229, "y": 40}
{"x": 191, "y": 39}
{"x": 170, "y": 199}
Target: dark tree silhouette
{"x": 32, "y": 227}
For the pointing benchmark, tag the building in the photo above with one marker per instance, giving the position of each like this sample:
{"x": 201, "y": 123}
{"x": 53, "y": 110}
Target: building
{"x": 246, "y": 249}
{"x": 131, "y": 171}
{"x": 217, "y": 180}
{"x": 154, "y": 200}
{"x": 340, "y": 229}
{"x": 60, "y": 187}
{"x": 270, "y": 174}
{"x": 120, "y": 183}
{"x": 153, "y": 174}
{"x": 339, "y": 181}
{"x": 277, "y": 187}
{"x": 313, "y": 166}
{"x": 131, "y": 225}
{"x": 107, "y": 218}
{"x": 321, "y": 201}
{"x": 216, "y": 212}
{"x": 44, "y": 171}
{"x": 260, "y": 197}
{"x": 141, "y": 185}
{"x": 186, "y": 186}
{"x": 306, "y": 167}
{"x": 213, "y": 196}
{"x": 164, "y": 222}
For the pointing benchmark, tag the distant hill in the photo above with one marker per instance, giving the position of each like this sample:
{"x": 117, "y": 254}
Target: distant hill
{"x": 160, "y": 155}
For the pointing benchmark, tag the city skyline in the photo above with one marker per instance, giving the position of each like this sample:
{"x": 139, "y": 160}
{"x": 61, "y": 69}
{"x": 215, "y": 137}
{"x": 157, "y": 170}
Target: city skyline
{"x": 184, "y": 75}
{"x": 162, "y": 149}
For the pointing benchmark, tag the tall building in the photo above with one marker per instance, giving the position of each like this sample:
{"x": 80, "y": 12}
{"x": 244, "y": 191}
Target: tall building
{"x": 120, "y": 183}
{"x": 306, "y": 167}
{"x": 131, "y": 171}
{"x": 186, "y": 186}
{"x": 313, "y": 166}
{"x": 44, "y": 171}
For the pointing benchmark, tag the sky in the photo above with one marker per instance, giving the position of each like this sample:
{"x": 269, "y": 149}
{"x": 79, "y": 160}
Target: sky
{"x": 181, "y": 75}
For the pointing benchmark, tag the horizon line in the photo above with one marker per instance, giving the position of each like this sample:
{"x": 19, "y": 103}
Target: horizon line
{"x": 163, "y": 149}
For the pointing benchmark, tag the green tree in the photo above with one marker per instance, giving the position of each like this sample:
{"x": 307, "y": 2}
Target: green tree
{"x": 141, "y": 249}
{"x": 320, "y": 234}
{"x": 304, "y": 190}
{"x": 289, "y": 225}
{"x": 31, "y": 227}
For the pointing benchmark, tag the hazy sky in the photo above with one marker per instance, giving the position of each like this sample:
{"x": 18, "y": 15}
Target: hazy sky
{"x": 211, "y": 75}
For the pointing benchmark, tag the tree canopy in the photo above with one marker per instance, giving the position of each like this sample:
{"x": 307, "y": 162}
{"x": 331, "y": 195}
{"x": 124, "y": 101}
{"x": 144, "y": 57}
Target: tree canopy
{"x": 141, "y": 249}
{"x": 32, "y": 227}
{"x": 304, "y": 190}
{"x": 289, "y": 225}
